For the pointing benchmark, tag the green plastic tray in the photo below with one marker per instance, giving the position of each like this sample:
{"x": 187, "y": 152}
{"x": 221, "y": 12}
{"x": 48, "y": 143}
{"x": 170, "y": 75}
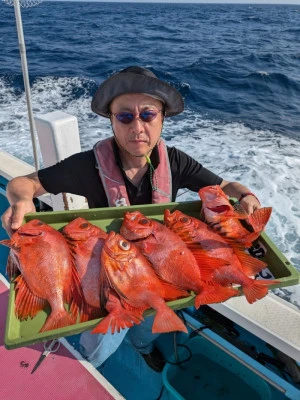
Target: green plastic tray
{"x": 23, "y": 333}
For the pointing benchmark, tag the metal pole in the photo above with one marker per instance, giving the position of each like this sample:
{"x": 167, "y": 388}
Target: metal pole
{"x": 26, "y": 79}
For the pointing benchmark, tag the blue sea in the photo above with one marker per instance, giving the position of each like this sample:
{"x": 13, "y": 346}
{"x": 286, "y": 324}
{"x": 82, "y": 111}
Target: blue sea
{"x": 237, "y": 67}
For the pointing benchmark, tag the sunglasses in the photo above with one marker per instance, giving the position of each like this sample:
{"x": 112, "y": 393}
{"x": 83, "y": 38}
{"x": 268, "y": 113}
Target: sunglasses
{"x": 128, "y": 117}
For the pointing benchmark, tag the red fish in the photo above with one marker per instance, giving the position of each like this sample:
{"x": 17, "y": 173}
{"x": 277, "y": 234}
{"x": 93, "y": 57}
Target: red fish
{"x": 48, "y": 274}
{"x": 193, "y": 231}
{"x": 222, "y": 216}
{"x": 136, "y": 283}
{"x": 172, "y": 259}
{"x": 86, "y": 242}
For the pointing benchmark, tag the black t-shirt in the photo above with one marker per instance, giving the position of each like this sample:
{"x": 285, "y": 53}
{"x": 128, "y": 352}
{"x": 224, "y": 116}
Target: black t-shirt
{"x": 78, "y": 174}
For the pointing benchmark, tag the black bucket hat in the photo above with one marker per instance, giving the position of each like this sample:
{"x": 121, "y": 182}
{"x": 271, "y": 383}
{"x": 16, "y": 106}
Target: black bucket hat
{"x": 136, "y": 80}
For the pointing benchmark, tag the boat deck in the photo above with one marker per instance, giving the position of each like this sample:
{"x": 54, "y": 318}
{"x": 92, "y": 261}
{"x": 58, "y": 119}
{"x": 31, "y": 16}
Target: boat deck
{"x": 62, "y": 372}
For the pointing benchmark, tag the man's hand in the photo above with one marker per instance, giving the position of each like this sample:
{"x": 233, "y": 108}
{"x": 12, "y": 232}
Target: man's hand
{"x": 12, "y": 218}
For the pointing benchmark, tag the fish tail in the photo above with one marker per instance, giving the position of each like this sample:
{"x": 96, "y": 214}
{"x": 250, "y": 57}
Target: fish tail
{"x": 166, "y": 320}
{"x": 211, "y": 294}
{"x": 256, "y": 290}
{"x": 58, "y": 319}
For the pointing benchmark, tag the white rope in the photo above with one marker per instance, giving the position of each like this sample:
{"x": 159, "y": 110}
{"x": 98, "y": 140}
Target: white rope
{"x": 17, "y": 4}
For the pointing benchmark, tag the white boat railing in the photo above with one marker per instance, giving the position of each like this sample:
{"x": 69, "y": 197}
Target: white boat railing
{"x": 272, "y": 319}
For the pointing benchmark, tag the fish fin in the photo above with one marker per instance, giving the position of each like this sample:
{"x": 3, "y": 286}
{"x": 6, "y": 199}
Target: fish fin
{"x": 248, "y": 240}
{"x": 105, "y": 288}
{"x": 256, "y": 290}
{"x": 206, "y": 263}
{"x": 89, "y": 312}
{"x": 173, "y": 292}
{"x": 119, "y": 292}
{"x": 259, "y": 218}
{"x": 58, "y": 319}
{"x": 12, "y": 265}
{"x": 119, "y": 317}
{"x": 116, "y": 323}
{"x": 249, "y": 265}
{"x": 6, "y": 242}
{"x": 124, "y": 314}
{"x": 74, "y": 294}
{"x": 105, "y": 281}
{"x": 166, "y": 320}
{"x": 75, "y": 309}
{"x": 26, "y": 303}
{"x": 103, "y": 325}
{"x": 211, "y": 294}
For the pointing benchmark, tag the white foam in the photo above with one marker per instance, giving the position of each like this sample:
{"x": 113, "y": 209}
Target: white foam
{"x": 263, "y": 73}
{"x": 267, "y": 162}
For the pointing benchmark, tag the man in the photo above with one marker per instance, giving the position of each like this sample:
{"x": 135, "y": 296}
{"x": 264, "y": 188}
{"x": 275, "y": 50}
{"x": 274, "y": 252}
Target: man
{"x": 133, "y": 167}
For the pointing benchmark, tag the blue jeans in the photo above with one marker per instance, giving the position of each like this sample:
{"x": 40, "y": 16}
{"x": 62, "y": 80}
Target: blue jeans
{"x": 97, "y": 348}
{"x": 141, "y": 336}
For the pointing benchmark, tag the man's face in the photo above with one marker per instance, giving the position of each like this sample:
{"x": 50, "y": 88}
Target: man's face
{"x": 137, "y": 137}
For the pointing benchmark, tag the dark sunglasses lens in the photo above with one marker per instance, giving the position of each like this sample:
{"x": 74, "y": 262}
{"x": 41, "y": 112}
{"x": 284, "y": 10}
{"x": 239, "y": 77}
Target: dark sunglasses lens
{"x": 125, "y": 117}
{"x": 148, "y": 116}
{"x": 145, "y": 116}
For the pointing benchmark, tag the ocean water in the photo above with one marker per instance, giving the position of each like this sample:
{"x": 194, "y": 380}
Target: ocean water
{"x": 237, "y": 67}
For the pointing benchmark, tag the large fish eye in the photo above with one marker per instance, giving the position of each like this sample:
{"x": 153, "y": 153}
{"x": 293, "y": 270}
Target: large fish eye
{"x": 144, "y": 221}
{"x": 124, "y": 245}
{"x": 40, "y": 223}
{"x": 185, "y": 220}
{"x": 84, "y": 225}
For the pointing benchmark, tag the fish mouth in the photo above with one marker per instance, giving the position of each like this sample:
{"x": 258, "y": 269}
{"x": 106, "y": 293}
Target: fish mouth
{"x": 219, "y": 209}
{"x": 74, "y": 237}
{"x": 133, "y": 234}
{"x": 31, "y": 233}
{"x": 135, "y": 237}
